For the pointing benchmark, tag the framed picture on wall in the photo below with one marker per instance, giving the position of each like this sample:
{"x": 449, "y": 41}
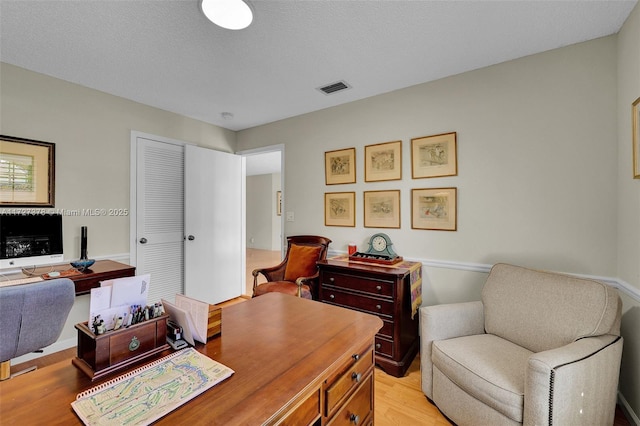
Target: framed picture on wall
{"x": 340, "y": 209}
{"x": 340, "y": 166}
{"x": 383, "y": 161}
{"x": 434, "y": 156}
{"x": 27, "y": 172}
{"x": 635, "y": 122}
{"x": 382, "y": 209}
{"x": 434, "y": 208}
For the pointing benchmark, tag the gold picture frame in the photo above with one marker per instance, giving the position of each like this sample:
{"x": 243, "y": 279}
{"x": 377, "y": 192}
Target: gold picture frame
{"x": 383, "y": 161}
{"x": 434, "y": 156}
{"x": 635, "y": 122}
{"x": 27, "y": 172}
{"x": 434, "y": 209}
{"x": 382, "y": 209}
{"x": 340, "y": 209}
{"x": 340, "y": 166}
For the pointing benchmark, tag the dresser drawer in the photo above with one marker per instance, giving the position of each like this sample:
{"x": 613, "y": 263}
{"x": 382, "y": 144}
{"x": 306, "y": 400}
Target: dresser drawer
{"x": 359, "y": 409}
{"x": 368, "y": 304}
{"x": 387, "y": 329}
{"x": 384, "y": 347}
{"x": 130, "y": 343}
{"x": 349, "y": 380}
{"x": 372, "y": 286}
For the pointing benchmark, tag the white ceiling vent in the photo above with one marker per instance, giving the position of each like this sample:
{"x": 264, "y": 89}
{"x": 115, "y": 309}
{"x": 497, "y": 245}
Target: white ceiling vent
{"x": 334, "y": 87}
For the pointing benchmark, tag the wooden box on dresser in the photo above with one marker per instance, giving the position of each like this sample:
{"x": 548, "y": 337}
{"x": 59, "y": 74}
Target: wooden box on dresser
{"x": 382, "y": 291}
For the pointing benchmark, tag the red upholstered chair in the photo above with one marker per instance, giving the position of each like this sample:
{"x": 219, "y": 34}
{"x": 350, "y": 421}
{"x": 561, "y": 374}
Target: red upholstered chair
{"x": 297, "y": 274}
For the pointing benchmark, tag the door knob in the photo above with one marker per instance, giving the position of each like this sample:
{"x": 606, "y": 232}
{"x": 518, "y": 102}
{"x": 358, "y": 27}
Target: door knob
{"x": 191, "y": 238}
{"x": 143, "y": 240}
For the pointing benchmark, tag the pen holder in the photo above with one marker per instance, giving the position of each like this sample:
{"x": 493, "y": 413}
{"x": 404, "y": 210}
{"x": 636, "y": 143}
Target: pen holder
{"x": 102, "y": 354}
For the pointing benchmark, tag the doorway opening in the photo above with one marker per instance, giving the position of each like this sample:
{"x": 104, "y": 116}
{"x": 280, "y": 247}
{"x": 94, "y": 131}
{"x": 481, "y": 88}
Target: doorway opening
{"x": 264, "y": 209}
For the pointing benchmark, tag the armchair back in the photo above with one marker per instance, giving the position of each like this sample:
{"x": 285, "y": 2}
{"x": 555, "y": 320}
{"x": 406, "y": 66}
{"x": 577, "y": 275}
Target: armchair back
{"x": 542, "y": 310}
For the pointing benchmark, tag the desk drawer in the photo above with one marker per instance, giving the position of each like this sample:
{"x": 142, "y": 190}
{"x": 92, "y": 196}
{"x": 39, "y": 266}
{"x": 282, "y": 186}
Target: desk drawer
{"x": 306, "y": 413}
{"x": 359, "y": 409}
{"x": 350, "y": 379}
{"x": 130, "y": 343}
{"x": 364, "y": 303}
{"x": 376, "y": 287}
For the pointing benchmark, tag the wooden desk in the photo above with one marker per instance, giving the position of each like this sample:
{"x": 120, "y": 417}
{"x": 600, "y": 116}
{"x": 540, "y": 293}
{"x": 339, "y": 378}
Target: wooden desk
{"x": 90, "y": 278}
{"x": 293, "y": 362}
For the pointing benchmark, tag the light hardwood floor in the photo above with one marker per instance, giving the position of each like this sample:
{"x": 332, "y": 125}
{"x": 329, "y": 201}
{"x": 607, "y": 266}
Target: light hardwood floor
{"x": 259, "y": 259}
{"x": 399, "y": 401}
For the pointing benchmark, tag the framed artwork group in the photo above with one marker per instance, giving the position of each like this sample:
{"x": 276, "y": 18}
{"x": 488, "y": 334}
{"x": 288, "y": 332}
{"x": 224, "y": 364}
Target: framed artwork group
{"x": 431, "y": 208}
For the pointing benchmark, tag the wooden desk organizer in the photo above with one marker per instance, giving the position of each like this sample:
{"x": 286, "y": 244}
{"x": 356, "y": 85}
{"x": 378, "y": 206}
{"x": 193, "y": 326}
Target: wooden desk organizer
{"x": 214, "y": 324}
{"x": 103, "y": 354}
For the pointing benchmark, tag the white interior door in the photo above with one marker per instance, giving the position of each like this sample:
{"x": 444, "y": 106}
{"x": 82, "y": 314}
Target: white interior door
{"x": 214, "y": 225}
{"x": 158, "y": 223}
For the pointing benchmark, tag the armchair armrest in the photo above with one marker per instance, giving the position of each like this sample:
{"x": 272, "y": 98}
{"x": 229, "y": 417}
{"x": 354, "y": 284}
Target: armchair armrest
{"x": 574, "y": 384}
{"x": 274, "y": 273}
{"x": 310, "y": 281}
{"x": 442, "y": 322}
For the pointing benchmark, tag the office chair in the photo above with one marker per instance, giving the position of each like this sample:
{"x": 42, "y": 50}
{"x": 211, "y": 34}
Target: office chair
{"x": 32, "y": 317}
{"x": 297, "y": 274}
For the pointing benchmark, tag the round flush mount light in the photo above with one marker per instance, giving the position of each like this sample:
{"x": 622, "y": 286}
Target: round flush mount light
{"x": 229, "y": 14}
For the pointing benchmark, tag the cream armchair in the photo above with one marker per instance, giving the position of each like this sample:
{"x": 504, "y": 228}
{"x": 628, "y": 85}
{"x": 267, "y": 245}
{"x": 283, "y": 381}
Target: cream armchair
{"x": 539, "y": 349}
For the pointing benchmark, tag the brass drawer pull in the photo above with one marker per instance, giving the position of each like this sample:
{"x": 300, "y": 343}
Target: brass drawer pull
{"x": 332, "y": 296}
{"x": 355, "y": 356}
{"x": 332, "y": 279}
{"x": 379, "y": 287}
{"x": 378, "y": 307}
{"x": 134, "y": 344}
{"x": 354, "y": 418}
{"x": 356, "y": 376}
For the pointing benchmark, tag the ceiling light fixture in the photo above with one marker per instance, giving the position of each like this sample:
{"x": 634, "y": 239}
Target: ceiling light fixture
{"x": 229, "y": 14}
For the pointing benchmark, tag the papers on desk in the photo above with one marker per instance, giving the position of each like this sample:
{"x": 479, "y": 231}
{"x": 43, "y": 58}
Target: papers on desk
{"x": 192, "y": 315}
{"x": 115, "y": 298}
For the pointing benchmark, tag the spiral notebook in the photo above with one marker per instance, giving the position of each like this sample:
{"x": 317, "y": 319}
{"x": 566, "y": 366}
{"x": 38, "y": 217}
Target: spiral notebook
{"x": 145, "y": 394}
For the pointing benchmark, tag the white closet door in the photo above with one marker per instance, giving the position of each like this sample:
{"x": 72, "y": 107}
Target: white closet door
{"x": 214, "y": 225}
{"x": 159, "y": 216}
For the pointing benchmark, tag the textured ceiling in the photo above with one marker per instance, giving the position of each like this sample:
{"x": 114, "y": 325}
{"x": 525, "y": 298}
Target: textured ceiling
{"x": 166, "y": 54}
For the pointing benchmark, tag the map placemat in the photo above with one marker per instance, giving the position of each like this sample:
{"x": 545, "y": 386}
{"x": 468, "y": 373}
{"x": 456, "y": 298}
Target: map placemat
{"x": 150, "y": 392}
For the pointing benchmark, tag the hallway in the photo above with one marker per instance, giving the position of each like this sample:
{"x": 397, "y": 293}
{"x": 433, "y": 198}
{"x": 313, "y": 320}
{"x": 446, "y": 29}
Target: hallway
{"x": 259, "y": 259}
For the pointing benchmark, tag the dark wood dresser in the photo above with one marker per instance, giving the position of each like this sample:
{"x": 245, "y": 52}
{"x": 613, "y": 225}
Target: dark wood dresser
{"x": 380, "y": 290}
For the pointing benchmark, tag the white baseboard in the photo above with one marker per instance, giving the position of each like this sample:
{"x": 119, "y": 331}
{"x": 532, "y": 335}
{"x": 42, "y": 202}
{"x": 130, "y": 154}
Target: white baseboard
{"x": 628, "y": 412}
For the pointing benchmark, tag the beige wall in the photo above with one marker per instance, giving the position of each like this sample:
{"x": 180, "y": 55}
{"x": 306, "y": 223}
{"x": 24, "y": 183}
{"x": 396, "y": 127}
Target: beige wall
{"x": 628, "y": 259}
{"x": 92, "y": 133}
{"x": 538, "y": 172}
{"x": 536, "y": 157}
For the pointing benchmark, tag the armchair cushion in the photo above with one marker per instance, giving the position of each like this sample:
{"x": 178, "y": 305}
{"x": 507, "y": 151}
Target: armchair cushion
{"x": 488, "y": 368}
{"x": 302, "y": 262}
{"x": 286, "y": 287}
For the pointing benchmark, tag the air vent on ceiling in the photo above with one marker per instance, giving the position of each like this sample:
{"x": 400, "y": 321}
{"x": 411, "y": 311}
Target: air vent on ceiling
{"x": 334, "y": 87}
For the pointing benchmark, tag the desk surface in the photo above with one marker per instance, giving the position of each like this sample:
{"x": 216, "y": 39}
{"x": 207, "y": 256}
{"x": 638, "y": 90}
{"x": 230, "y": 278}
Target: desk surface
{"x": 85, "y": 280}
{"x": 279, "y": 346}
